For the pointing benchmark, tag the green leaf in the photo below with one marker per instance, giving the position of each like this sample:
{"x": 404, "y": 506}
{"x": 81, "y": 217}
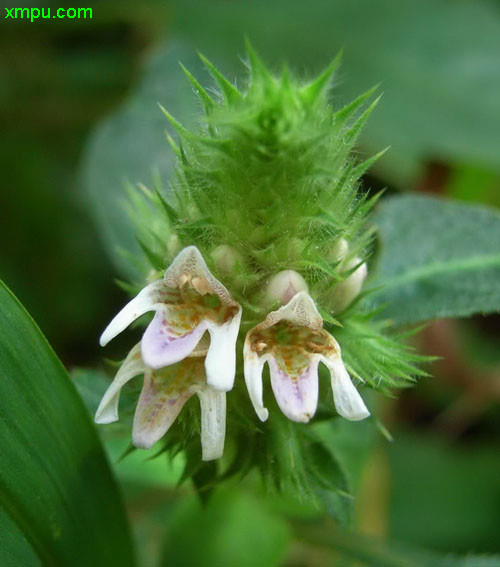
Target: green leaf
{"x": 55, "y": 482}
{"x": 444, "y": 495}
{"x": 438, "y": 259}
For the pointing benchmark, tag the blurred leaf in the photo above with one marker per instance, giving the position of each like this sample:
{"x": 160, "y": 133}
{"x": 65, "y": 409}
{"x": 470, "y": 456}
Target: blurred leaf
{"x": 438, "y": 259}
{"x": 55, "y": 482}
{"x": 232, "y": 529}
{"x": 444, "y": 496}
{"x": 437, "y": 62}
{"x": 369, "y": 552}
{"x": 131, "y": 146}
{"x": 478, "y": 347}
{"x": 470, "y": 183}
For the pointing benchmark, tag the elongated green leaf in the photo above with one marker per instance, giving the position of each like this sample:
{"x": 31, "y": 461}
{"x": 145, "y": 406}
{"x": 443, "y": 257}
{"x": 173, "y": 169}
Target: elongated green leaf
{"x": 438, "y": 259}
{"x": 55, "y": 482}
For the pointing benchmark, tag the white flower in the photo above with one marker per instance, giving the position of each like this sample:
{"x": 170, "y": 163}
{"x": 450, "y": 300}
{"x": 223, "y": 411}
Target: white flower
{"x": 293, "y": 342}
{"x": 188, "y": 301}
{"x": 163, "y": 395}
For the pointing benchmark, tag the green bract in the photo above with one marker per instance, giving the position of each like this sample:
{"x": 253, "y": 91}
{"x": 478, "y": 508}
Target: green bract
{"x": 270, "y": 173}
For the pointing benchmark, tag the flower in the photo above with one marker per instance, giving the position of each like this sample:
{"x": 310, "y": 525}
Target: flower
{"x": 163, "y": 395}
{"x": 187, "y": 301}
{"x": 292, "y": 341}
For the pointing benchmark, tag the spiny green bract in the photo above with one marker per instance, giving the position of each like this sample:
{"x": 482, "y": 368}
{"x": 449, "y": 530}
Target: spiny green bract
{"x": 269, "y": 173}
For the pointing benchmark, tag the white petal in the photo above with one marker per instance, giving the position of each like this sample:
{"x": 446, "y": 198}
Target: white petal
{"x": 162, "y": 346}
{"x": 143, "y": 302}
{"x": 213, "y": 422}
{"x": 348, "y": 402}
{"x": 162, "y": 398}
{"x": 253, "y": 366}
{"x": 189, "y": 262}
{"x": 220, "y": 363}
{"x": 133, "y": 365}
{"x": 300, "y": 310}
{"x": 297, "y": 397}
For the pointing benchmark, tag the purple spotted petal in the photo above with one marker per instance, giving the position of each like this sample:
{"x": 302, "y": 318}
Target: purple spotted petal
{"x": 162, "y": 347}
{"x": 160, "y": 402}
{"x": 297, "y": 398}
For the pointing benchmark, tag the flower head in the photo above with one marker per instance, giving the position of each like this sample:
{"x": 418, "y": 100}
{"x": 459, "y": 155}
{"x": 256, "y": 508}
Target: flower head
{"x": 267, "y": 189}
{"x": 293, "y": 342}
{"x": 187, "y": 301}
{"x": 163, "y": 395}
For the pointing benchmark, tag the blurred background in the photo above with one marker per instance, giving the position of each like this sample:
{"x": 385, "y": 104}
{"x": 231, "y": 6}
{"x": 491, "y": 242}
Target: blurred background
{"x": 78, "y": 115}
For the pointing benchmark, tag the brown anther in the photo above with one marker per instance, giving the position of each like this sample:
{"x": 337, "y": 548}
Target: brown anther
{"x": 201, "y": 285}
{"x": 184, "y": 279}
{"x": 259, "y": 347}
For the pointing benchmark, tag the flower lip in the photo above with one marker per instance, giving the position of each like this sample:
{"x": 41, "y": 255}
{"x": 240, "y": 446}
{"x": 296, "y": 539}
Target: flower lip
{"x": 293, "y": 342}
{"x": 162, "y": 398}
{"x": 190, "y": 267}
{"x": 188, "y": 302}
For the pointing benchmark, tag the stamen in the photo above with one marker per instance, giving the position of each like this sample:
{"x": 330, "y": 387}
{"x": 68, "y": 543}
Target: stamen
{"x": 201, "y": 285}
{"x": 184, "y": 279}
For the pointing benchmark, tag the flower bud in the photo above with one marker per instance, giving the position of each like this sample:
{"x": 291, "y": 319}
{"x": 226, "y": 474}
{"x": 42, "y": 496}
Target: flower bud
{"x": 344, "y": 293}
{"x": 226, "y": 257}
{"x": 338, "y": 251}
{"x": 283, "y": 286}
{"x": 173, "y": 245}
